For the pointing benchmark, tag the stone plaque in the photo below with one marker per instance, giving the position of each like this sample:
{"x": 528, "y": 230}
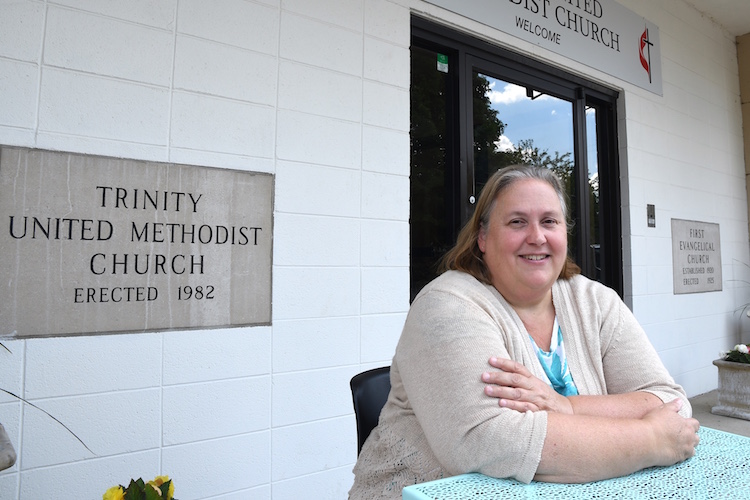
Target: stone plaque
{"x": 94, "y": 245}
{"x": 696, "y": 256}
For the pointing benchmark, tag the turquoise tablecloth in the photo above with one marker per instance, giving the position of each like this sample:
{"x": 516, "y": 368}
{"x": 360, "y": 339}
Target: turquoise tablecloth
{"x": 719, "y": 470}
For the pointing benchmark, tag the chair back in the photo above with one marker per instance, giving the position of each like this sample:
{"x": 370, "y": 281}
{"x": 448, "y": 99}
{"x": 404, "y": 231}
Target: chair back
{"x": 369, "y": 391}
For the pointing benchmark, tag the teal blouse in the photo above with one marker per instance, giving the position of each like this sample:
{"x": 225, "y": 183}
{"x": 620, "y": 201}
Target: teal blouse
{"x": 555, "y": 364}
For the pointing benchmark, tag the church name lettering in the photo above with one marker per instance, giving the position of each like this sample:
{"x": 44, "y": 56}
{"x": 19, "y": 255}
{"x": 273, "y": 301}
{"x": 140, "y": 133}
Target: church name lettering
{"x": 696, "y": 256}
{"x": 96, "y": 245}
{"x": 578, "y": 16}
{"x": 137, "y": 264}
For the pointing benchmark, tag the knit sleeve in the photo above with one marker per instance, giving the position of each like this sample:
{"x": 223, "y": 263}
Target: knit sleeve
{"x": 444, "y": 348}
{"x": 630, "y": 361}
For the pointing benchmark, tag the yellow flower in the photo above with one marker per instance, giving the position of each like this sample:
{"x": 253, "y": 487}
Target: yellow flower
{"x": 114, "y": 493}
{"x": 158, "y": 481}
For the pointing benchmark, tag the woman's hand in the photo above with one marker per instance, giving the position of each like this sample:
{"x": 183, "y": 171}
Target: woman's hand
{"x": 675, "y": 437}
{"x": 517, "y": 389}
{"x": 583, "y": 448}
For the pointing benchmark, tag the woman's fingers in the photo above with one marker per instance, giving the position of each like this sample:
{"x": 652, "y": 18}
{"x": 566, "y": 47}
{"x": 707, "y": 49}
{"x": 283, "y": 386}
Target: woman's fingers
{"x": 676, "y": 436}
{"x": 510, "y": 366}
{"x": 513, "y": 385}
{"x": 517, "y": 388}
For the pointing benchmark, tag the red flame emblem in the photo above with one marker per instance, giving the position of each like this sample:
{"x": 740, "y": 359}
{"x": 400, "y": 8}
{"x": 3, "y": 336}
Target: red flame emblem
{"x": 645, "y": 58}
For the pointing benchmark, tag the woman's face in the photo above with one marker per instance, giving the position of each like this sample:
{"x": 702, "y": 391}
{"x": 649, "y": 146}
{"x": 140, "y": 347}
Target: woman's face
{"x": 525, "y": 242}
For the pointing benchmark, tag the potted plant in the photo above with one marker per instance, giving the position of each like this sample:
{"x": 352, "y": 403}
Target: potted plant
{"x": 161, "y": 488}
{"x": 734, "y": 383}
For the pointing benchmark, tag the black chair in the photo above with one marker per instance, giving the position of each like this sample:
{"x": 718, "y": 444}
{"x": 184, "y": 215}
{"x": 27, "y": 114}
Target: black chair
{"x": 369, "y": 391}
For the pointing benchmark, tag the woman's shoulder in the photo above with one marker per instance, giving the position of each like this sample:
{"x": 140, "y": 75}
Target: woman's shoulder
{"x": 581, "y": 287}
{"x": 454, "y": 282}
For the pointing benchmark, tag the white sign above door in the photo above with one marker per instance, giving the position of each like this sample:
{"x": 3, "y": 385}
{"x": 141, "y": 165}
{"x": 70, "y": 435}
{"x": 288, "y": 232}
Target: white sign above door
{"x": 599, "y": 33}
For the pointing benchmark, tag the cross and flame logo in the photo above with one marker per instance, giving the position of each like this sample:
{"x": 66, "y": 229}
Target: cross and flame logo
{"x": 646, "y": 58}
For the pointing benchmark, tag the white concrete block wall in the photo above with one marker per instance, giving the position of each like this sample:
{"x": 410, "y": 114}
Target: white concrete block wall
{"x": 317, "y": 93}
{"x": 685, "y": 156}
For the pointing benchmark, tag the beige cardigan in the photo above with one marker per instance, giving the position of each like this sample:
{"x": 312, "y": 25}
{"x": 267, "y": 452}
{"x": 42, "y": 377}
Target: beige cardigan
{"x": 437, "y": 421}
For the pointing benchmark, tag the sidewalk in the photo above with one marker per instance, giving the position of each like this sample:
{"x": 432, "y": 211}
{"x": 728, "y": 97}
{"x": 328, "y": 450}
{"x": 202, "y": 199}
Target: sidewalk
{"x": 702, "y": 411}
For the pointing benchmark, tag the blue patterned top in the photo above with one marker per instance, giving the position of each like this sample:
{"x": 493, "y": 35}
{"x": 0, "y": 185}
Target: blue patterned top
{"x": 555, "y": 363}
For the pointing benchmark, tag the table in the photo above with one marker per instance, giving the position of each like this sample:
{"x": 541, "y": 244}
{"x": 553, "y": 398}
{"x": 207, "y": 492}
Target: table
{"x": 719, "y": 470}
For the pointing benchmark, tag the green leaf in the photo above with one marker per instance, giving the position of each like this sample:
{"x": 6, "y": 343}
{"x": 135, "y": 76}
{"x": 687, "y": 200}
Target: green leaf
{"x": 165, "y": 490}
{"x": 134, "y": 490}
{"x": 152, "y": 494}
{"x": 737, "y": 357}
{"x": 140, "y": 490}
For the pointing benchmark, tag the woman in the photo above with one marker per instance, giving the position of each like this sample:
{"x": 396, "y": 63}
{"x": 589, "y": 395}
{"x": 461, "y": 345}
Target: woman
{"x": 511, "y": 296}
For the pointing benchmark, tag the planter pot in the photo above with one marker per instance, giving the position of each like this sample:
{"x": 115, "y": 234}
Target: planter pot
{"x": 734, "y": 389}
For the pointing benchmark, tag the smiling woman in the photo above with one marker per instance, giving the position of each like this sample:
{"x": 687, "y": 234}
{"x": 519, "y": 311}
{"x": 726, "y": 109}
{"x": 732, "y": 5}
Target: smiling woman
{"x": 468, "y": 254}
{"x": 525, "y": 242}
{"x": 511, "y": 346}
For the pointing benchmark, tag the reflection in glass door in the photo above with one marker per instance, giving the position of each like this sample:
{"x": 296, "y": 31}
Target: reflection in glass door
{"x": 432, "y": 219}
{"x": 595, "y": 226}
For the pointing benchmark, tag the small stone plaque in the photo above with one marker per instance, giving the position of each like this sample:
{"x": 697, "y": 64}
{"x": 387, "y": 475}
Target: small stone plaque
{"x": 696, "y": 256}
{"x": 97, "y": 245}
